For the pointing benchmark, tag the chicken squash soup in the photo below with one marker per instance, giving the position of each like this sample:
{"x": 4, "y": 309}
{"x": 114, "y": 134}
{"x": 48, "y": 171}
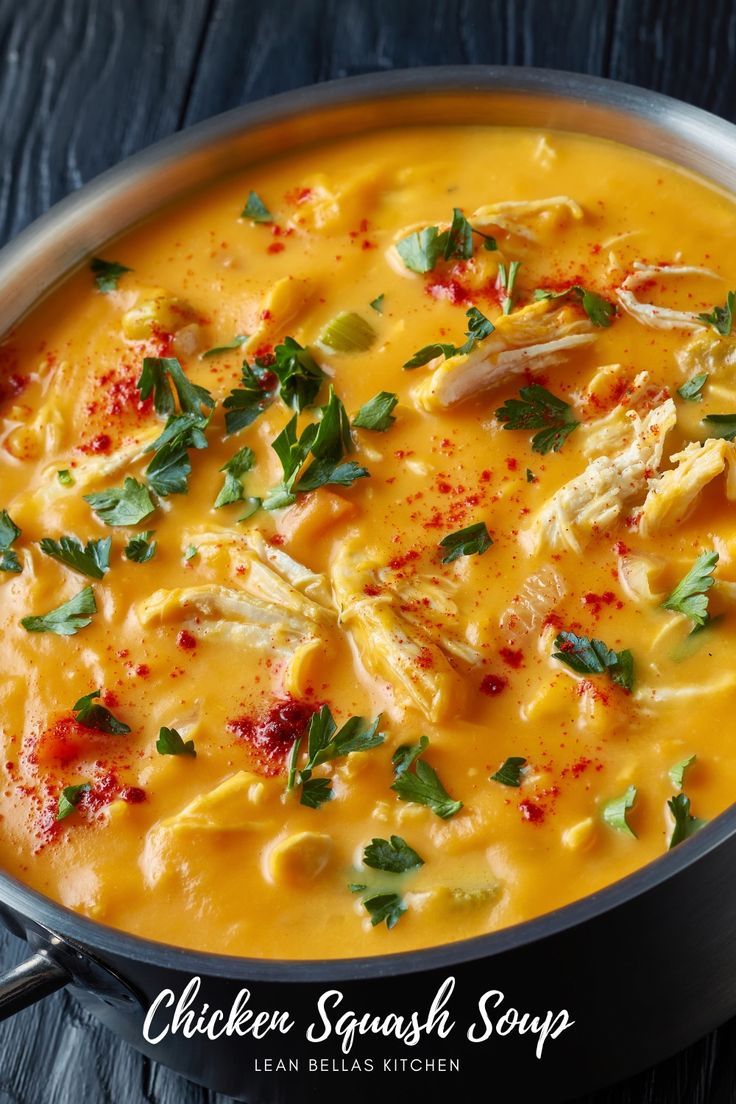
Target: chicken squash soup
{"x": 368, "y": 547}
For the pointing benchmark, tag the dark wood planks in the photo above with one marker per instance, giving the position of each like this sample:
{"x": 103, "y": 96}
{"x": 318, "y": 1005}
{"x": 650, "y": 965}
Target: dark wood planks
{"x": 84, "y": 83}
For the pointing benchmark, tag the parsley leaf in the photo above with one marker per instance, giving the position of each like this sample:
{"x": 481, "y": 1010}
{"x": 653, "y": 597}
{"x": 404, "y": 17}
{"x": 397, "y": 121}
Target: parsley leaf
{"x": 479, "y": 327}
{"x": 406, "y": 754}
{"x": 692, "y": 390}
{"x": 421, "y": 251}
{"x": 107, "y": 273}
{"x": 538, "y": 408}
{"x": 507, "y": 278}
{"x": 237, "y": 466}
{"x": 599, "y": 311}
{"x": 65, "y": 477}
{"x": 67, "y": 619}
{"x": 170, "y": 742}
{"x": 677, "y": 773}
{"x": 685, "y": 824}
{"x": 140, "y": 548}
{"x": 255, "y": 209}
{"x": 530, "y": 476}
{"x": 325, "y": 743}
{"x": 299, "y": 375}
{"x": 509, "y": 773}
{"x": 593, "y": 657}
{"x": 690, "y": 596}
{"x": 315, "y": 792}
{"x": 169, "y": 470}
{"x": 721, "y": 318}
{"x": 236, "y": 342}
{"x": 376, "y": 413}
{"x": 393, "y": 855}
{"x": 377, "y": 303}
{"x": 69, "y": 798}
{"x": 252, "y": 505}
{"x": 92, "y": 559}
{"x": 244, "y": 404}
{"x": 9, "y": 533}
{"x": 473, "y": 540}
{"x": 724, "y": 425}
{"x": 422, "y": 786}
{"x": 126, "y": 505}
{"x": 614, "y": 811}
{"x": 157, "y": 376}
{"x": 91, "y": 714}
{"x": 386, "y": 907}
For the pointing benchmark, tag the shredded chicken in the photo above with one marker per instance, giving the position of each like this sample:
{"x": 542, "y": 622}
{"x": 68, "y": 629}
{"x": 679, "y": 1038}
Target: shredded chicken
{"x": 537, "y": 598}
{"x": 672, "y": 497}
{"x": 709, "y": 352}
{"x": 532, "y": 338}
{"x": 597, "y": 497}
{"x": 659, "y": 318}
{"x": 390, "y": 646}
{"x": 615, "y": 430}
{"x": 514, "y": 216}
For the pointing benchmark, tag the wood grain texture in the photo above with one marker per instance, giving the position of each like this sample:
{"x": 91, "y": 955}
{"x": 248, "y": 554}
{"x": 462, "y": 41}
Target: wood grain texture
{"x": 84, "y": 83}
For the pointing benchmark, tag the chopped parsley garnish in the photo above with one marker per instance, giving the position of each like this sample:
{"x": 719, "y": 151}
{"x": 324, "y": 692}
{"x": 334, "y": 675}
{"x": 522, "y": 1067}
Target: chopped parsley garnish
{"x": 65, "y": 477}
{"x": 158, "y": 374}
{"x": 419, "y": 783}
{"x": 530, "y": 476}
{"x": 348, "y": 333}
{"x": 9, "y": 533}
{"x": 479, "y": 327}
{"x": 141, "y": 549}
{"x": 377, "y": 303}
{"x": 599, "y": 310}
{"x": 170, "y": 742}
{"x": 386, "y": 907}
{"x": 190, "y": 552}
{"x": 692, "y": 391}
{"x": 406, "y": 754}
{"x": 300, "y": 377}
{"x": 421, "y": 251}
{"x": 685, "y": 824}
{"x": 509, "y": 773}
{"x": 252, "y": 506}
{"x": 677, "y": 773}
{"x": 69, "y": 798}
{"x": 107, "y": 273}
{"x": 91, "y": 714}
{"x": 376, "y": 414}
{"x": 126, "y": 505}
{"x": 721, "y": 425}
{"x": 507, "y": 279}
{"x": 690, "y": 596}
{"x": 614, "y": 811}
{"x": 328, "y": 440}
{"x": 537, "y": 408}
{"x": 721, "y": 318}
{"x": 247, "y": 402}
{"x": 236, "y": 467}
{"x": 67, "y": 619}
{"x": 255, "y": 209}
{"x": 326, "y": 742}
{"x": 169, "y": 470}
{"x": 236, "y": 342}
{"x": 393, "y": 855}
{"x": 474, "y": 540}
{"x": 593, "y": 657}
{"x": 92, "y": 559}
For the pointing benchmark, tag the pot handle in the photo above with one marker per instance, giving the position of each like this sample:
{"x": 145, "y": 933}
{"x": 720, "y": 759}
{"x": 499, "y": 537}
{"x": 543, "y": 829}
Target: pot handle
{"x": 37, "y": 977}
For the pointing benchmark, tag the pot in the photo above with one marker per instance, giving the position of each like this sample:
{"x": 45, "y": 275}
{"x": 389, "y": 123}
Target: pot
{"x": 548, "y": 1009}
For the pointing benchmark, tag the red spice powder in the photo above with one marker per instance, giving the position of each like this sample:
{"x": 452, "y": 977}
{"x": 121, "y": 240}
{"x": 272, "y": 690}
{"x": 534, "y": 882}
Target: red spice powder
{"x": 531, "y": 812}
{"x": 276, "y": 247}
{"x": 513, "y": 658}
{"x": 492, "y": 685}
{"x": 101, "y": 444}
{"x": 185, "y": 640}
{"x": 595, "y": 602}
{"x": 401, "y": 561}
{"x": 271, "y": 736}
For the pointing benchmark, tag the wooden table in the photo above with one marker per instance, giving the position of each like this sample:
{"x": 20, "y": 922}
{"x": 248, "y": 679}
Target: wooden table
{"x": 84, "y": 83}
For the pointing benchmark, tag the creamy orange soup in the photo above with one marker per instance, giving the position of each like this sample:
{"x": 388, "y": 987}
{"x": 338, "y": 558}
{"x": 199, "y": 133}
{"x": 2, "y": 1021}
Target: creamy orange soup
{"x": 357, "y": 595}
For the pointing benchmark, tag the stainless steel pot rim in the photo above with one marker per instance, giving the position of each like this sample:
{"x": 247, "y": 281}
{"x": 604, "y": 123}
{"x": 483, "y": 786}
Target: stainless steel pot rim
{"x": 662, "y": 111}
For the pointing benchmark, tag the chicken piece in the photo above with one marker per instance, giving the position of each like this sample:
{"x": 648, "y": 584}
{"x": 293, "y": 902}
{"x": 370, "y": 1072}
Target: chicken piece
{"x": 281, "y": 309}
{"x": 673, "y": 496}
{"x": 44, "y": 432}
{"x": 614, "y": 431}
{"x": 514, "y": 216}
{"x": 389, "y": 646}
{"x": 154, "y": 310}
{"x": 537, "y": 598}
{"x": 596, "y": 498}
{"x": 637, "y": 576}
{"x": 532, "y": 338}
{"x": 659, "y": 318}
{"x": 300, "y": 858}
{"x": 709, "y": 352}
{"x": 326, "y": 206}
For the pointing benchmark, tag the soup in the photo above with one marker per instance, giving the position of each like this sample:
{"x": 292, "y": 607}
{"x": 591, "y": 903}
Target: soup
{"x": 368, "y": 550}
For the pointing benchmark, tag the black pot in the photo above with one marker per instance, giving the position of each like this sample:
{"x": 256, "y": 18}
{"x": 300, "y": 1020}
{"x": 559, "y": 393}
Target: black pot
{"x": 573, "y": 1000}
